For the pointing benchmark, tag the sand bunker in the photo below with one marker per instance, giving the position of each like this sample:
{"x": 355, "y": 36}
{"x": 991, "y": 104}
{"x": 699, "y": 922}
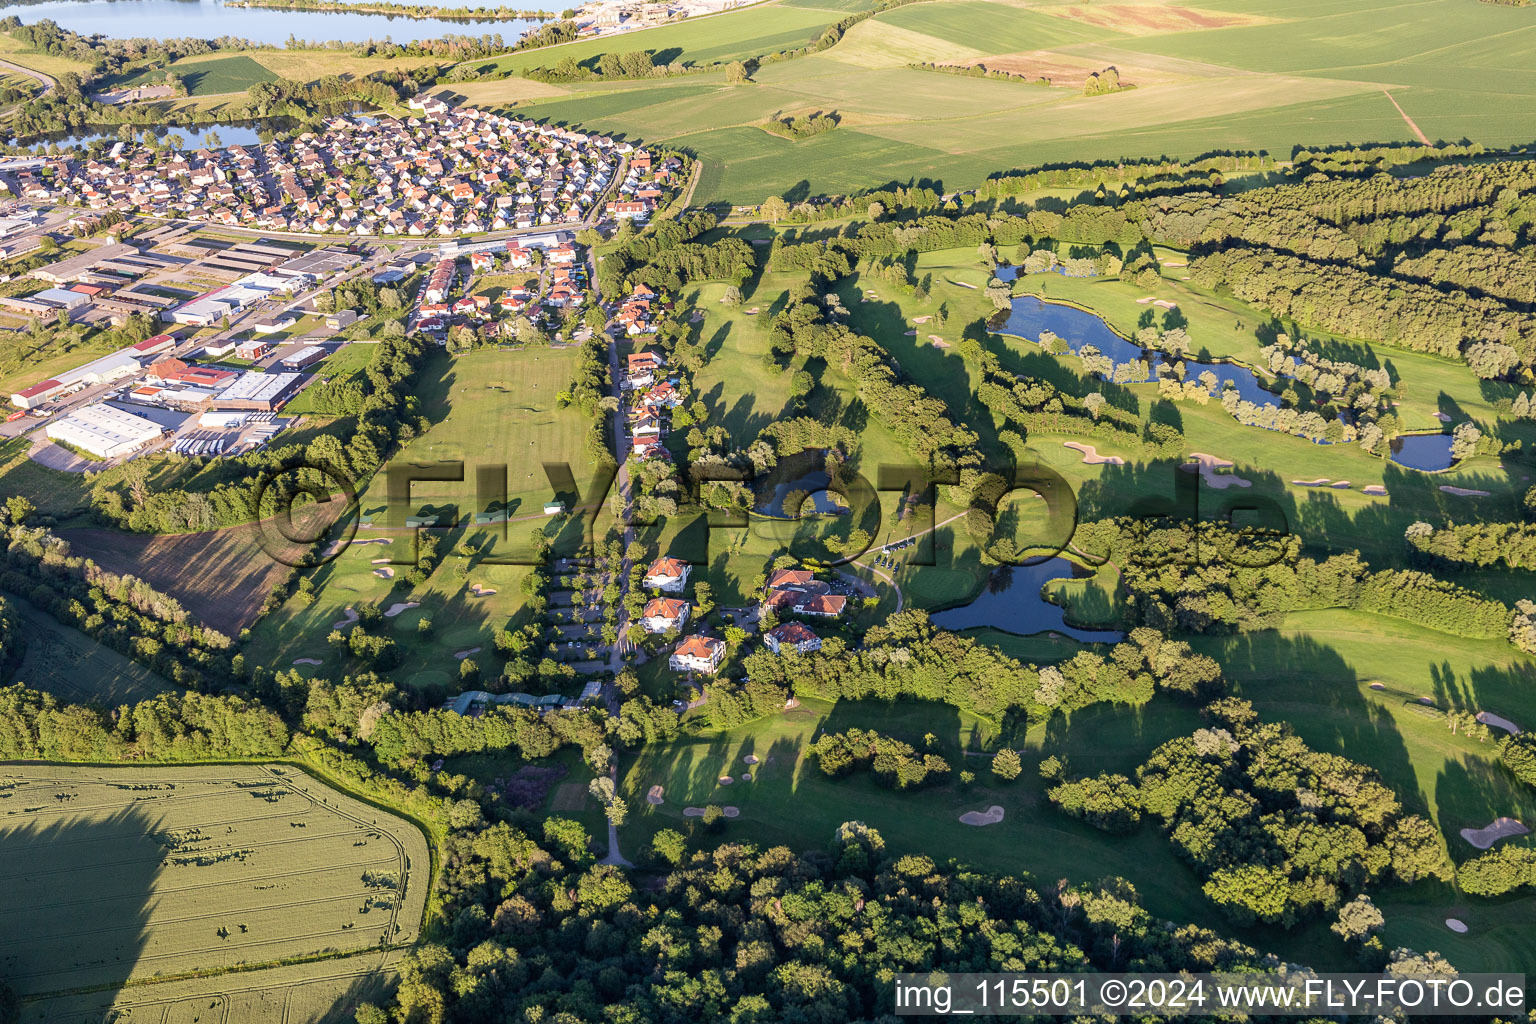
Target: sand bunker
{"x": 921, "y": 319}
{"x": 1456, "y": 926}
{"x": 941, "y": 343}
{"x": 991, "y": 816}
{"x": 1374, "y": 490}
{"x": 400, "y": 606}
{"x": 1320, "y": 481}
{"x": 1165, "y": 304}
{"x": 1442, "y": 417}
{"x": 480, "y": 591}
{"x": 698, "y": 812}
{"x": 384, "y": 573}
{"x": 308, "y": 661}
{"x": 351, "y": 617}
{"x": 654, "y": 797}
{"x": 746, "y": 776}
{"x": 725, "y": 780}
{"x": 1091, "y": 456}
{"x": 936, "y": 339}
{"x": 910, "y": 334}
{"x": 1498, "y": 828}
{"x": 962, "y": 284}
{"x": 1173, "y": 263}
{"x": 1145, "y": 299}
{"x": 1489, "y": 718}
{"x": 696, "y": 316}
{"x": 752, "y": 312}
{"x": 750, "y": 759}
{"x": 375, "y": 540}
{"x": 381, "y": 561}
{"x": 1209, "y": 464}
{"x": 1463, "y": 492}
{"x": 1341, "y": 484}
{"x": 461, "y": 655}
{"x": 1378, "y": 686}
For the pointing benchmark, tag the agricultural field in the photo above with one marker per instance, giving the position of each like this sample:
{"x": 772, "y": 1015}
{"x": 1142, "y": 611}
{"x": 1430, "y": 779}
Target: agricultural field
{"x": 221, "y": 74}
{"x": 1223, "y": 76}
{"x": 221, "y": 576}
{"x": 126, "y": 875}
{"x": 76, "y": 668}
{"x": 13, "y": 50}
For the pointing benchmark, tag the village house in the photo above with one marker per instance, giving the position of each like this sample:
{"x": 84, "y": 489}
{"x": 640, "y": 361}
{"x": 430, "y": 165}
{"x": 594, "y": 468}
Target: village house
{"x": 669, "y": 575}
{"x": 795, "y": 636}
{"x": 664, "y": 613}
{"x": 697, "y": 654}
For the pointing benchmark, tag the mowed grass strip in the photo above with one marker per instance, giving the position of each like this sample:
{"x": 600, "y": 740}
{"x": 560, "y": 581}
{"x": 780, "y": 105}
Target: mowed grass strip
{"x": 122, "y": 873}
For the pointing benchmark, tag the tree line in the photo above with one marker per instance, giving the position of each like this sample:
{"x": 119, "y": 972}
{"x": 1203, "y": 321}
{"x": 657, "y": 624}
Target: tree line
{"x": 122, "y": 613}
{"x": 390, "y": 413}
{"x": 1211, "y": 578}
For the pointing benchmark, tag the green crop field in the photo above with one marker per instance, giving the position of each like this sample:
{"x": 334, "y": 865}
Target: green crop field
{"x": 118, "y": 875}
{"x": 211, "y": 77}
{"x": 1233, "y": 75}
{"x": 77, "y": 669}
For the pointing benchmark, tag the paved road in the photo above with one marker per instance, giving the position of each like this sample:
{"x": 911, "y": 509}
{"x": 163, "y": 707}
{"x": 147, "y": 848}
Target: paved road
{"x": 900, "y": 599}
{"x": 48, "y": 83}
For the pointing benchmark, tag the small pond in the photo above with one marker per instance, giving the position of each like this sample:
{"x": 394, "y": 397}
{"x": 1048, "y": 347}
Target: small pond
{"x": 1427, "y": 452}
{"x": 1078, "y": 328}
{"x": 192, "y": 136}
{"x": 1014, "y": 604}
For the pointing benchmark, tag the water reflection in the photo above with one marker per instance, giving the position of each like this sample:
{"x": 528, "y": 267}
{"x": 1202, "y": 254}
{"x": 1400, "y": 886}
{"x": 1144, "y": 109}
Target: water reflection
{"x": 1013, "y": 602}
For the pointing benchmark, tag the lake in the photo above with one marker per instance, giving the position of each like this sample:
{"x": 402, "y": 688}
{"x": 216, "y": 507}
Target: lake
{"x": 209, "y": 19}
{"x": 1014, "y": 604}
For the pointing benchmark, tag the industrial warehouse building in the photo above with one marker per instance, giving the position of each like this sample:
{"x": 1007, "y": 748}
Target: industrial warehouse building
{"x": 262, "y": 392}
{"x": 104, "y": 431}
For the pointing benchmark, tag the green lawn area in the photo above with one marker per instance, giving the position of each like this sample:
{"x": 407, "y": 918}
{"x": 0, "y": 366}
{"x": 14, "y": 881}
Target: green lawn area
{"x": 348, "y": 361}
{"x": 1317, "y": 671}
{"x": 210, "y": 77}
{"x": 494, "y": 408}
{"x": 461, "y": 621}
{"x": 790, "y": 801}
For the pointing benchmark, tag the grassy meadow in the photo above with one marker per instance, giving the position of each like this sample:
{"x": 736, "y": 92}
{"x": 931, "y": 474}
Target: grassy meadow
{"x": 128, "y": 874}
